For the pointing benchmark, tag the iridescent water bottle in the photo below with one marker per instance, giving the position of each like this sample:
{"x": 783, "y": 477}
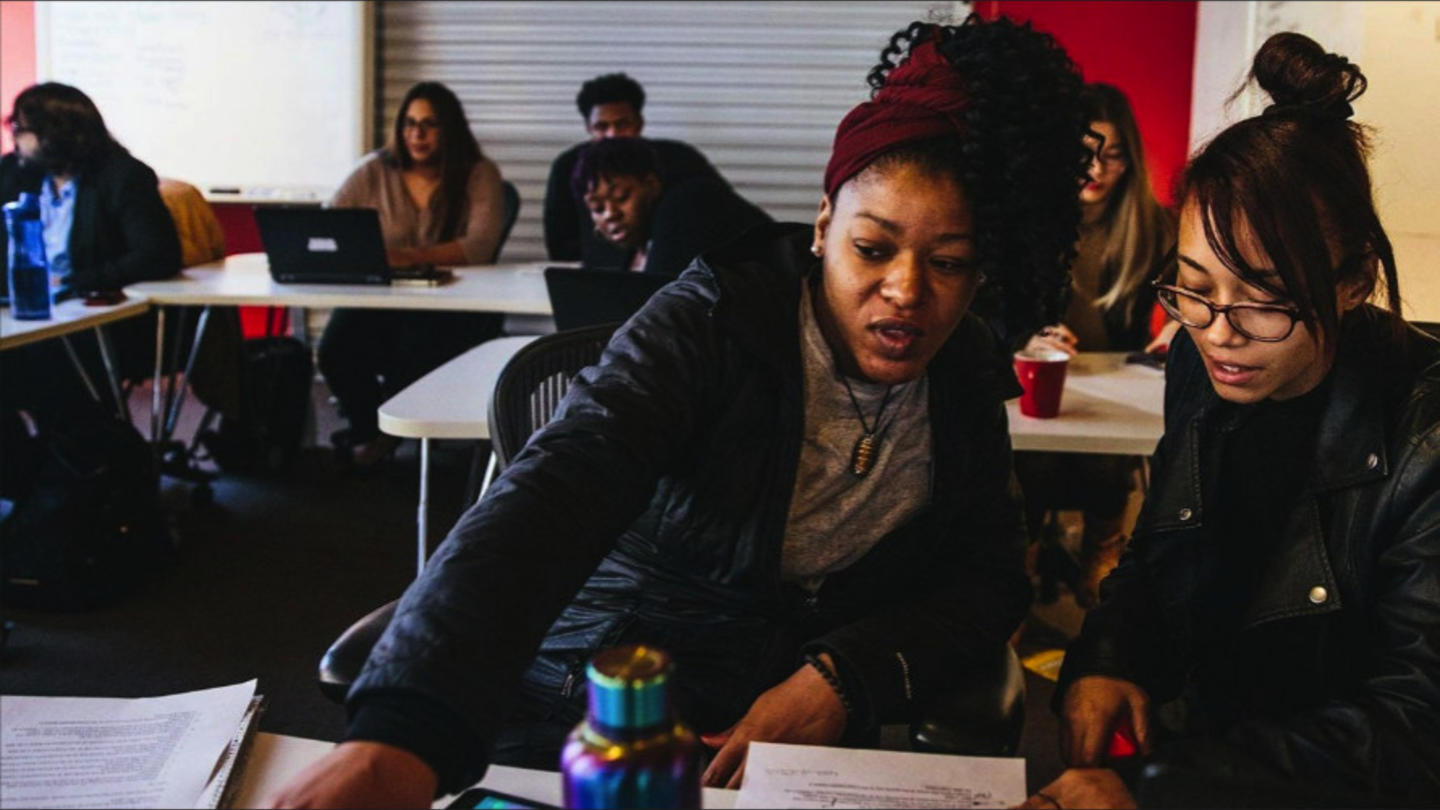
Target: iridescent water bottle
{"x": 630, "y": 751}
{"x": 29, "y": 281}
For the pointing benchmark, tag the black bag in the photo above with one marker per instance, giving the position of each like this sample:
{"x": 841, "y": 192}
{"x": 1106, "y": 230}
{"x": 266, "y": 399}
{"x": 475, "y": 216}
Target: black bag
{"x": 83, "y": 520}
{"x": 263, "y": 436}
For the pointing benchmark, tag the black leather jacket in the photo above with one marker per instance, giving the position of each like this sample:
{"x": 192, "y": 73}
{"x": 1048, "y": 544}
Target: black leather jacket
{"x": 1341, "y": 639}
{"x": 653, "y": 508}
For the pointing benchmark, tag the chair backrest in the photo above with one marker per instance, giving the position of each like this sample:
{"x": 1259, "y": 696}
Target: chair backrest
{"x": 201, "y": 237}
{"x": 532, "y": 384}
{"x": 512, "y": 212}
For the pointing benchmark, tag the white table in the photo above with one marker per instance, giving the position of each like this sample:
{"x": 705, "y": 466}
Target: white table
{"x": 275, "y": 759}
{"x": 72, "y": 316}
{"x": 451, "y": 402}
{"x": 1108, "y": 406}
{"x": 243, "y": 279}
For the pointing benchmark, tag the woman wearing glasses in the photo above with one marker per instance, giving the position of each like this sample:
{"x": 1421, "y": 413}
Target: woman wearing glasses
{"x": 1273, "y": 633}
{"x": 440, "y": 202}
{"x": 1124, "y": 235}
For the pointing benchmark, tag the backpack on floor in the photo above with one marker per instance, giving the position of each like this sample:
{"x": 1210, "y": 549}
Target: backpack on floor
{"x": 263, "y": 434}
{"x": 80, "y": 520}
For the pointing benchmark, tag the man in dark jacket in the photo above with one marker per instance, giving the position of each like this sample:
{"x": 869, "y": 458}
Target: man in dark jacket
{"x": 612, "y": 107}
{"x": 119, "y": 232}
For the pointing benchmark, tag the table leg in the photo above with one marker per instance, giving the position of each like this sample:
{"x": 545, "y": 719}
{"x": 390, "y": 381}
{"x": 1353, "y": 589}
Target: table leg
{"x": 155, "y": 412}
{"x": 420, "y": 516}
{"x": 179, "y": 401}
{"x": 80, "y": 369}
{"x": 107, "y": 355}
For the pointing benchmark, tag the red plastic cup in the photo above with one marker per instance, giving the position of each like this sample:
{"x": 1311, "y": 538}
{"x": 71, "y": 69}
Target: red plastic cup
{"x": 1042, "y": 375}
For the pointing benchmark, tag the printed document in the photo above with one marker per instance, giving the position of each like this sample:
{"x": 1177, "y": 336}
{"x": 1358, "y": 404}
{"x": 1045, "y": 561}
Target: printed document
{"x": 115, "y": 752}
{"x": 791, "y": 776}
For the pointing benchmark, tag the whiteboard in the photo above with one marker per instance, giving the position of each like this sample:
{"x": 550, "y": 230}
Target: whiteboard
{"x": 249, "y": 101}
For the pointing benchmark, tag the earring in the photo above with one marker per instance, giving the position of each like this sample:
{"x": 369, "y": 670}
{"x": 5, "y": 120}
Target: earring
{"x": 816, "y": 251}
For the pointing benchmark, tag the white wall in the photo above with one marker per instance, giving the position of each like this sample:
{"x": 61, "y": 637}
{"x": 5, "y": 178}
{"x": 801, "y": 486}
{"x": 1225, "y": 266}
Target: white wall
{"x": 1397, "y": 45}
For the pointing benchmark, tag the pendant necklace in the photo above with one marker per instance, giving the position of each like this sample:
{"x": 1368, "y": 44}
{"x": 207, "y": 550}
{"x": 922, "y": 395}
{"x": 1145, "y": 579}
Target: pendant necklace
{"x": 862, "y": 456}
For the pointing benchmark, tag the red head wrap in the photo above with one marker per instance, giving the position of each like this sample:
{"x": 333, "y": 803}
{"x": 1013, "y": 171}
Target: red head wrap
{"x": 922, "y": 98}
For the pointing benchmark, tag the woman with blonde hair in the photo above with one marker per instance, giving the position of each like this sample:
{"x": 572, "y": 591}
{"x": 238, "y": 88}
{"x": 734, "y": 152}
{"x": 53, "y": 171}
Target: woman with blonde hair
{"x": 1125, "y": 236}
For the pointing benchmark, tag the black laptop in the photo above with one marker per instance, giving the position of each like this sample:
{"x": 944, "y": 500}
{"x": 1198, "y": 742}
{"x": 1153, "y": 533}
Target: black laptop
{"x": 331, "y": 246}
{"x": 586, "y": 297}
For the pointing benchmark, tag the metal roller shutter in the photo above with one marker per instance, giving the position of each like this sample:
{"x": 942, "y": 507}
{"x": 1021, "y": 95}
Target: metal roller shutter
{"x": 758, "y": 87}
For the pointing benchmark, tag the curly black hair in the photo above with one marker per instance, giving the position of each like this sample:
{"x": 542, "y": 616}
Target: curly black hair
{"x": 610, "y": 88}
{"x": 1021, "y": 160}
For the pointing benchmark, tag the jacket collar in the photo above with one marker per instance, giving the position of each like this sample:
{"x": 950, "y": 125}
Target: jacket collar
{"x": 1350, "y": 450}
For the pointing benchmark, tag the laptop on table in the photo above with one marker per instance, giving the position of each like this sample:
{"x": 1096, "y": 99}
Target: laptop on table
{"x": 333, "y": 246}
{"x": 587, "y": 297}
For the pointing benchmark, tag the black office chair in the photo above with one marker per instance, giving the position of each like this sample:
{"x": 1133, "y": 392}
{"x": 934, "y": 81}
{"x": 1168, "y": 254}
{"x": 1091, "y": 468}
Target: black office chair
{"x": 526, "y": 395}
{"x": 512, "y": 212}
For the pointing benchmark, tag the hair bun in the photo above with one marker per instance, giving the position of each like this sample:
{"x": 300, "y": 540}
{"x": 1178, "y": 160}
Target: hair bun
{"x": 1300, "y": 75}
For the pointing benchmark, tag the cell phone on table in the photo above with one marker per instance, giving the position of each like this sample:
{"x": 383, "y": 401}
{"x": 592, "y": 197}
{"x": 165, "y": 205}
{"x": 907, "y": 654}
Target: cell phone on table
{"x": 104, "y": 298}
{"x": 485, "y": 799}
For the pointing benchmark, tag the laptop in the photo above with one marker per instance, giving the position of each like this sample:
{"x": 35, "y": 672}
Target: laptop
{"x": 332, "y": 246}
{"x": 587, "y": 297}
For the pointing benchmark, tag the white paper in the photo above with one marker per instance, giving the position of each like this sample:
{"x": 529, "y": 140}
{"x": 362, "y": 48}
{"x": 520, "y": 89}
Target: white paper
{"x": 115, "y": 752}
{"x": 792, "y": 776}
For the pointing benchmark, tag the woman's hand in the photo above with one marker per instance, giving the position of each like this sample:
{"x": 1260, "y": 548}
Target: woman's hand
{"x": 1161, "y": 343}
{"x": 1056, "y": 337}
{"x": 1094, "y": 707}
{"x": 1082, "y": 788}
{"x": 361, "y": 774}
{"x": 403, "y": 256}
{"x": 803, "y": 709}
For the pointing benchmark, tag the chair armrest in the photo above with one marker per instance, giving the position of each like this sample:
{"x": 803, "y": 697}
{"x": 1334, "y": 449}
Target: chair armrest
{"x": 983, "y": 715}
{"x": 341, "y": 664}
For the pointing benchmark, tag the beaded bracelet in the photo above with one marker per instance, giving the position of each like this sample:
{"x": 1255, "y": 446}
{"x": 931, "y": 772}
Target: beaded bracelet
{"x": 832, "y": 679}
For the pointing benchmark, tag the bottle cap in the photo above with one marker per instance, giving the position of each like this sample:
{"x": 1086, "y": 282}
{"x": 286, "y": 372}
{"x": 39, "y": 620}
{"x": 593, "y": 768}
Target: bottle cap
{"x": 628, "y": 687}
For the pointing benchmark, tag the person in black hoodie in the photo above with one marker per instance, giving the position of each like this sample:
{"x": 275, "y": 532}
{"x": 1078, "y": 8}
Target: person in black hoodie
{"x": 119, "y": 232}
{"x": 656, "y": 226}
{"x": 1272, "y": 635}
{"x": 790, "y": 469}
{"x": 612, "y": 106}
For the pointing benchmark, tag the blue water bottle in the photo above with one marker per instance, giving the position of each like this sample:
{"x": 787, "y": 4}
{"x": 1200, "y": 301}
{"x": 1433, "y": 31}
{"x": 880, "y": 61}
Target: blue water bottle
{"x": 29, "y": 278}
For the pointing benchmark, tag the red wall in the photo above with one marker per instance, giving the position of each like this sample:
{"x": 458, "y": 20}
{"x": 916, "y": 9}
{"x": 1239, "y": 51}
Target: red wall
{"x": 1147, "y": 49}
{"x": 17, "y": 56}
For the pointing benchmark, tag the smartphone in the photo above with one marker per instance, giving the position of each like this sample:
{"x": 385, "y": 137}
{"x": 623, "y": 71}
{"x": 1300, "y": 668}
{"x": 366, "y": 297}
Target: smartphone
{"x": 104, "y": 299}
{"x": 486, "y": 799}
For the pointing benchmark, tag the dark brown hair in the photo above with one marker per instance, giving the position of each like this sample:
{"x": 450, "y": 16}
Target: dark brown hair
{"x": 1296, "y": 177}
{"x": 459, "y": 152}
{"x": 71, "y": 132}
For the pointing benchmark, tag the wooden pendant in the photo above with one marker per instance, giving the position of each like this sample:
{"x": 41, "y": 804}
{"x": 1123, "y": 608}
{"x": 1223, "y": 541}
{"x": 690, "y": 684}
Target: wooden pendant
{"x": 863, "y": 456}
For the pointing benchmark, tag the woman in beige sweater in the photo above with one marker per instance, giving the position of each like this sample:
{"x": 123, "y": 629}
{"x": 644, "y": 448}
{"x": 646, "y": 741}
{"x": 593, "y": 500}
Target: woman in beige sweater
{"x": 440, "y": 202}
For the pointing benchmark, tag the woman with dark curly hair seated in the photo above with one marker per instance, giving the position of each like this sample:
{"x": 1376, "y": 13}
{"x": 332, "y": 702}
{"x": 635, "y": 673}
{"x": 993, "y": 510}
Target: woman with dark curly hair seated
{"x": 791, "y": 469}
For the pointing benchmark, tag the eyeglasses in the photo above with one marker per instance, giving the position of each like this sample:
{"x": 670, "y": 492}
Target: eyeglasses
{"x": 1267, "y": 323}
{"x": 424, "y": 125}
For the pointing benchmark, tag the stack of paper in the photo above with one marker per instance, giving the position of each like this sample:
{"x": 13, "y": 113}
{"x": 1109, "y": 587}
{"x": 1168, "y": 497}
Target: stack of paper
{"x": 172, "y": 751}
{"x": 789, "y": 776}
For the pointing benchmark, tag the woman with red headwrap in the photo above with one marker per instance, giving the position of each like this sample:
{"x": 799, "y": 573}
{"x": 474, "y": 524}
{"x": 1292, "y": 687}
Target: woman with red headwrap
{"x": 791, "y": 469}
